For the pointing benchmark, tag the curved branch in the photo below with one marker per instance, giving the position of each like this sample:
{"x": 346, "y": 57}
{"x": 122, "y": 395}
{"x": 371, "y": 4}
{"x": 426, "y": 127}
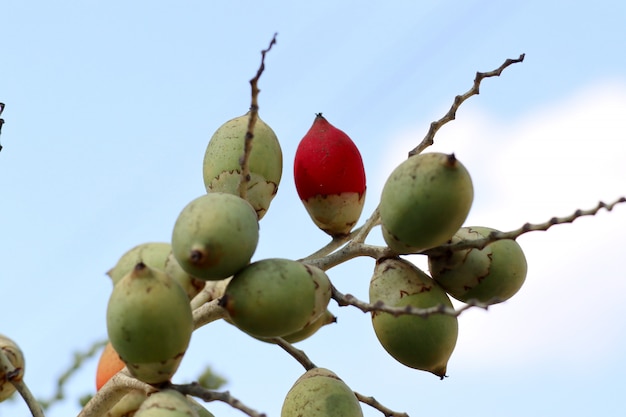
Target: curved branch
{"x": 297, "y": 354}
{"x": 458, "y": 100}
{"x": 344, "y": 300}
{"x": 528, "y": 227}
{"x": 373, "y": 402}
{"x": 351, "y": 250}
{"x": 196, "y": 390}
{"x": 254, "y": 114}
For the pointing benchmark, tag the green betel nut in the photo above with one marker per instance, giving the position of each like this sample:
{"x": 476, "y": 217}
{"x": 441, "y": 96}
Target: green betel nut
{"x": 424, "y": 343}
{"x": 215, "y": 236}
{"x": 273, "y": 297}
{"x": 222, "y": 162}
{"x": 424, "y": 202}
{"x": 320, "y": 393}
{"x": 149, "y": 323}
{"x": 489, "y": 275}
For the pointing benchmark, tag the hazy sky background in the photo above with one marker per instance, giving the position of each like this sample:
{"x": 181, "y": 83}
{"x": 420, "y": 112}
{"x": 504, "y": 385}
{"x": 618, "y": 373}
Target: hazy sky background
{"x": 110, "y": 106}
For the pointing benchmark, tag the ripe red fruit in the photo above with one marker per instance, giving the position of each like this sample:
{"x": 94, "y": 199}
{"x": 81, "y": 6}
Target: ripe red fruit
{"x": 330, "y": 177}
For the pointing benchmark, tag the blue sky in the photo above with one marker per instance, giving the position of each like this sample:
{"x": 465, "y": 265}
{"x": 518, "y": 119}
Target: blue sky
{"x": 110, "y": 105}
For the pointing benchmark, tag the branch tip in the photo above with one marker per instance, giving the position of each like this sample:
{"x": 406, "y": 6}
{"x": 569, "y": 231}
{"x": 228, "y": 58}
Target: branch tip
{"x": 429, "y": 139}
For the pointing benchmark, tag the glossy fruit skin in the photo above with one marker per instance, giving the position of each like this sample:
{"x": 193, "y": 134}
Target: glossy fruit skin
{"x": 149, "y": 323}
{"x": 417, "y": 342}
{"x": 153, "y": 254}
{"x": 166, "y": 403}
{"x": 13, "y": 352}
{"x": 489, "y": 275}
{"x": 274, "y": 297}
{"x": 215, "y": 236}
{"x": 330, "y": 177}
{"x": 108, "y": 365}
{"x": 424, "y": 202}
{"x": 320, "y": 393}
{"x": 222, "y": 166}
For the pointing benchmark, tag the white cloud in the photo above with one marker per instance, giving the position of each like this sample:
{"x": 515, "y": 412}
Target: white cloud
{"x": 549, "y": 162}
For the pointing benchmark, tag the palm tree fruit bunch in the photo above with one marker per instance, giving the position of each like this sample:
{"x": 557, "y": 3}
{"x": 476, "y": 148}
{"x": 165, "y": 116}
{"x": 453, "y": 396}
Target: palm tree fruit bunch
{"x": 222, "y": 169}
{"x": 149, "y": 323}
{"x": 424, "y": 343}
{"x": 319, "y": 392}
{"x": 425, "y": 200}
{"x": 276, "y": 297}
{"x": 489, "y": 275}
{"x": 330, "y": 177}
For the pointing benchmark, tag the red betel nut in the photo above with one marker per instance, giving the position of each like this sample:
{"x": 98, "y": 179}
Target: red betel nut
{"x": 330, "y": 177}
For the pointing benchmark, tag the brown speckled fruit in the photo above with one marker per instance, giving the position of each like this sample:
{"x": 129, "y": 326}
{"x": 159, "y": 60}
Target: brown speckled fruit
{"x": 320, "y": 393}
{"x": 222, "y": 162}
{"x": 149, "y": 323}
{"x": 417, "y": 342}
{"x": 275, "y": 297}
{"x": 424, "y": 202}
{"x": 489, "y": 275}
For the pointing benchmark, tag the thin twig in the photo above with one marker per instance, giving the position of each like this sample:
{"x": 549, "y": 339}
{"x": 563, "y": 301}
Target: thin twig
{"x": 344, "y": 300}
{"x": 372, "y": 221}
{"x": 297, "y": 354}
{"x": 333, "y": 245}
{"x": 458, "y": 100}
{"x": 254, "y": 114}
{"x": 528, "y": 227}
{"x": 358, "y": 235}
{"x": 196, "y": 390}
{"x": 372, "y": 402}
{"x": 351, "y": 250}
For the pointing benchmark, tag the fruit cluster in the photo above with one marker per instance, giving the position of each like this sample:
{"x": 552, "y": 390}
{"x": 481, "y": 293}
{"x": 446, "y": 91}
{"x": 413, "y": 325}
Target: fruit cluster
{"x": 423, "y": 205}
